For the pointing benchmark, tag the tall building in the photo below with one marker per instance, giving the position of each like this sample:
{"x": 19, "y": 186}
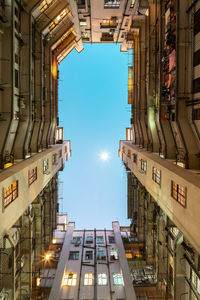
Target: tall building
{"x": 161, "y": 151}
{"x": 85, "y": 264}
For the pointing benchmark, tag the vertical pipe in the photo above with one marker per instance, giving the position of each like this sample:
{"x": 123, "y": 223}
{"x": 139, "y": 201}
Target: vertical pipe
{"x": 81, "y": 263}
{"x": 95, "y": 266}
{"x": 108, "y": 264}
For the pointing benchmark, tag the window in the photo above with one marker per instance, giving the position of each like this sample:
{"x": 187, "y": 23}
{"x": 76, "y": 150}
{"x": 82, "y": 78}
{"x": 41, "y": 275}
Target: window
{"x": 129, "y": 153}
{"x": 196, "y": 281}
{"x": 74, "y": 255}
{"x": 107, "y": 36}
{"x": 10, "y": 193}
{"x": 58, "y": 19}
{"x": 129, "y": 255}
{"x": 69, "y": 279}
{"x": 178, "y": 193}
{"x": 89, "y": 240}
{"x": 99, "y": 239}
{"x": 85, "y": 36}
{"x": 76, "y": 240}
{"x": 118, "y": 279}
{"x": 102, "y": 279}
{"x": 65, "y": 149}
{"x": 196, "y": 114}
{"x": 135, "y": 158}
{"x": 16, "y": 78}
{"x": 54, "y": 159}
{"x": 60, "y": 153}
{"x": 45, "y": 165}
{"x": 100, "y": 253}
{"x": 45, "y": 4}
{"x": 143, "y": 165}
{"x": 32, "y": 175}
{"x": 83, "y": 22}
{"x": 81, "y": 4}
{"x": 109, "y": 23}
{"x": 111, "y": 3}
{"x": 113, "y": 254}
{"x": 88, "y": 278}
{"x": 111, "y": 239}
{"x": 156, "y": 175}
{"x": 88, "y": 254}
{"x": 132, "y": 3}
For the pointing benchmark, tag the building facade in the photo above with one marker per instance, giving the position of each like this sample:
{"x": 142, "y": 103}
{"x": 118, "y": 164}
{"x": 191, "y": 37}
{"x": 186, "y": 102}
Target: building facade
{"x": 86, "y": 264}
{"x": 161, "y": 151}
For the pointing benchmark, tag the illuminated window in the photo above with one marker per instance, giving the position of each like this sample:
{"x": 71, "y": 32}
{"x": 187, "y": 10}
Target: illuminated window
{"x": 156, "y": 175}
{"x": 132, "y": 3}
{"x": 143, "y": 165}
{"x": 113, "y": 254}
{"x": 111, "y": 239}
{"x": 178, "y": 193}
{"x": 118, "y": 279}
{"x": 74, "y": 255}
{"x": 111, "y": 3}
{"x": 102, "y": 279}
{"x": 100, "y": 253}
{"x": 83, "y": 22}
{"x": 10, "y": 193}
{"x": 89, "y": 240}
{"x": 129, "y": 255}
{"x": 99, "y": 239}
{"x": 69, "y": 279}
{"x": 109, "y": 23}
{"x": 85, "y": 35}
{"x": 88, "y": 255}
{"x": 60, "y": 153}
{"x": 88, "y": 279}
{"x": 124, "y": 150}
{"x": 45, "y": 4}
{"x": 58, "y": 19}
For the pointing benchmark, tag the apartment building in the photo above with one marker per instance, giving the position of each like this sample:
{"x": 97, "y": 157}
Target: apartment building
{"x": 86, "y": 264}
{"x": 161, "y": 151}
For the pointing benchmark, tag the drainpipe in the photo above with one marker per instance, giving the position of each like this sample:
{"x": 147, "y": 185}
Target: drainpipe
{"x": 177, "y": 78}
{"x": 81, "y": 263}
{"x": 95, "y": 266}
{"x": 108, "y": 264}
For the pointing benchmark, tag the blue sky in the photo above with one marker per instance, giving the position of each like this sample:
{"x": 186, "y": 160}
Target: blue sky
{"x": 94, "y": 112}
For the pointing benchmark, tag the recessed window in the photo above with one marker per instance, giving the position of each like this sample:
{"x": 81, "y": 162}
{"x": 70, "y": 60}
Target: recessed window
{"x": 69, "y": 279}
{"x": 118, "y": 279}
{"x": 88, "y": 279}
{"x": 178, "y": 192}
{"x": 85, "y": 36}
{"x": 16, "y": 78}
{"x": 113, "y": 254}
{"x": 89, "y": 240}
{"x": 132, "y": 3}
{"x": 45, "y": 166}
{"x": 99, "y": 239}
{"x": 111, "y": 3}
{"x": 58, "y": 19}
{"x": 102, "y": 279}
{"x": 88, "y": 255}
{"x": 83, "y": 22}
{"x": 54, "y": 158}
{"x": 129, "y": 153}
{"x": 111, "y": 239}
{"x": 10, "y": 193}
{"x": 74, "y": 255}
{"x": 60, "y": 153}
{"x": 77, "y": 240}
{"x": 101, "y": 254}
{"x": 156, "y": 175}
{"x": 107, "y": 37}
{"x": 109, "y": 23}
{"x": 135, "y": 158}
{"x": 143, "y": 165}
{"x": 45, "y": 4}
{"x": 32, "y": 175}
{"x": 196, "y": 114}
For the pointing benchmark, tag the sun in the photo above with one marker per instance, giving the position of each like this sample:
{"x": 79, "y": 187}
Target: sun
{"x": 104, "y": 156}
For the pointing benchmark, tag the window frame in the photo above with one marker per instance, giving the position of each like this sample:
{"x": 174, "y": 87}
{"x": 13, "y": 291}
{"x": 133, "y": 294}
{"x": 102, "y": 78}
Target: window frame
{"x": 69, "y": 281}
{"x": 88, "y": 279}
{"x": 32, "y": 175}
{"x": 116, "y": 278}
{"x": 156, "y": 175}
{"x": 179, "y": 193}
{"x": 100, "y": 239}
{"x": 86, "y": 253}
{"x": 10, "y": 193}
{"x": 74, "y": 255}
{"x": 102, "y": 279}
{"x": 143, "y": 165}
{"x": 89, "y": 239}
